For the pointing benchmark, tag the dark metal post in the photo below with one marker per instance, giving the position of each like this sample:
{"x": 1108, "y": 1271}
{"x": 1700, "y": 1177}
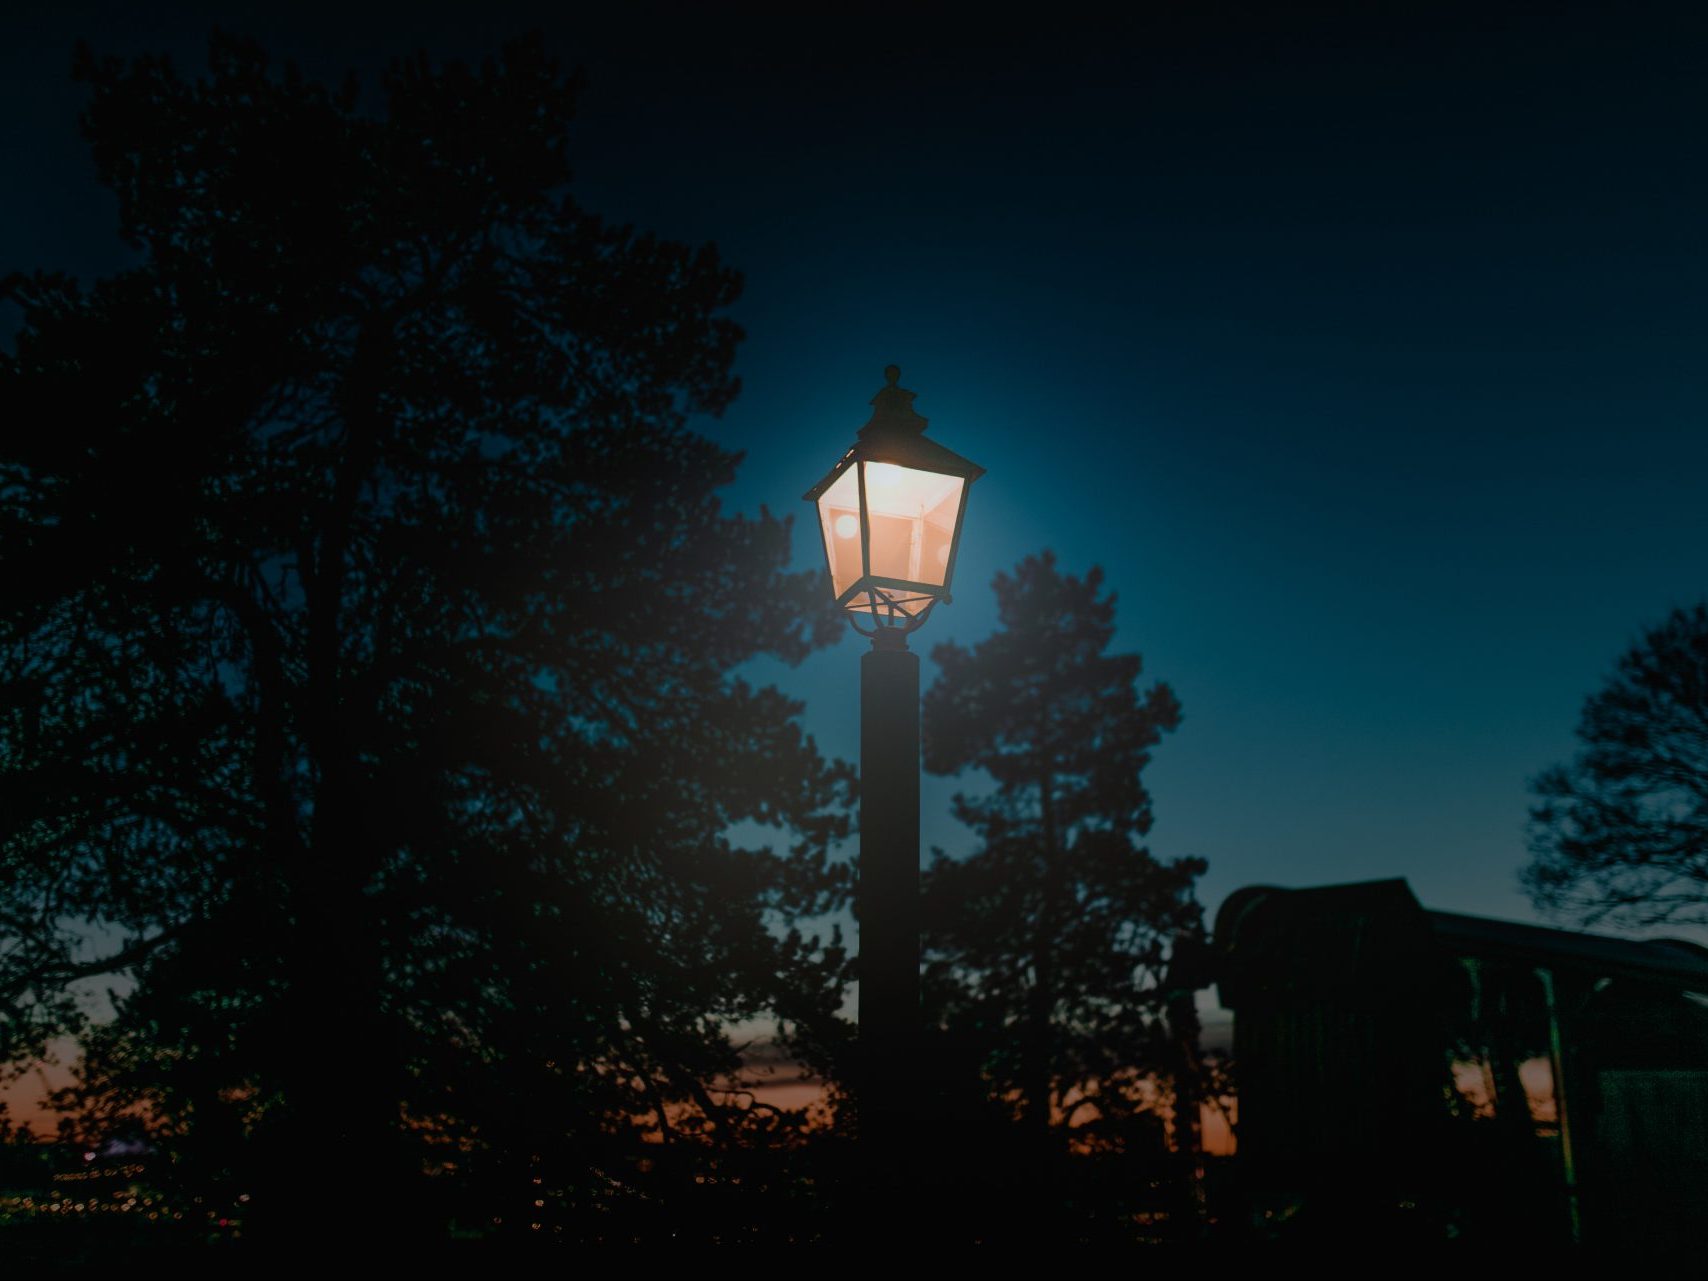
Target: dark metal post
{"x": 888, "y": 902}
{"x": 892, "y": 473}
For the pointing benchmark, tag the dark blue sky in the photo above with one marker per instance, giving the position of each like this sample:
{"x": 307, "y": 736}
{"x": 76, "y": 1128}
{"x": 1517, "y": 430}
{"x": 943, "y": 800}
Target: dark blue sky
{"x": 1366, "y": 346}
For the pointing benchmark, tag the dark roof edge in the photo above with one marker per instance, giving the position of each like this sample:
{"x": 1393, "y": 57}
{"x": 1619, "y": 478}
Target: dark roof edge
{"x": 1674, "y": 961}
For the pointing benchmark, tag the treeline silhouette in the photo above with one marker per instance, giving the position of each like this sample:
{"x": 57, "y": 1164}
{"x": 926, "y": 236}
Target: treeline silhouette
{"x": 1047, "y": 987}
{"x": 1617, "y": 834}
{"x": 366, "y": 636}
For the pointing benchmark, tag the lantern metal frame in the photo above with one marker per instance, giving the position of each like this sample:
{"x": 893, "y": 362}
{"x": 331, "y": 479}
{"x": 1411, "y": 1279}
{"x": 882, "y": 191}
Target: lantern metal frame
{"x": 894, "y": 435}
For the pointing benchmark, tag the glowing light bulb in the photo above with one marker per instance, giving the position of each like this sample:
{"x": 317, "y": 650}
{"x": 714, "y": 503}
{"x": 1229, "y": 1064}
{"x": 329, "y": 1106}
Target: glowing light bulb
{"x": 847, "y": 527}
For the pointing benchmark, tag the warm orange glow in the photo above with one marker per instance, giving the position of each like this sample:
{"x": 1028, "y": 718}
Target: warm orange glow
{"x": 26, "y": 1098}
{"x": 1216, "y": 1132}
{"x": 1473, "y": 1080}
{"x": 839, "y": 509}
{"x": 910, "y": 515}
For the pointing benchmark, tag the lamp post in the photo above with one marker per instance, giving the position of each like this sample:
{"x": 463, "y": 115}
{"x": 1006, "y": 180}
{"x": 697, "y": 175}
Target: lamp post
{"x": 890, "y": 512}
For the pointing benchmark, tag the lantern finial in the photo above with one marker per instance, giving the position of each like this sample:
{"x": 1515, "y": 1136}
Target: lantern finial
{"x": 892, "y": 409}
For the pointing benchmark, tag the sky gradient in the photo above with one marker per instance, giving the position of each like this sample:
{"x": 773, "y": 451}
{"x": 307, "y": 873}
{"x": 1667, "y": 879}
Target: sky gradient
{"x": 1363, "y": 347}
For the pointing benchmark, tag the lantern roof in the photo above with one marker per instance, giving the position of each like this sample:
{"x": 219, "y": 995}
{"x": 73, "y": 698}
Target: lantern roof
{"x": 896, "y": 434}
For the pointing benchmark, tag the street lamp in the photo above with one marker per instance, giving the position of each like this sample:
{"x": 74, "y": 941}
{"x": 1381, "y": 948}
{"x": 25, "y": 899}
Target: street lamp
{"x": 890, "y": 512}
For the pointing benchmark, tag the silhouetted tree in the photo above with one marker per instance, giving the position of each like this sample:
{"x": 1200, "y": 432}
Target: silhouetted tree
{"x": 1620, "y": 833}
{"x": 1046, "y": 947}
{"x": 367, "y": 616}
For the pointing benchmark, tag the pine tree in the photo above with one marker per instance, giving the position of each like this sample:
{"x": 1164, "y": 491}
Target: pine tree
{"x": 1045, "y": 947}
{"x": 366, "y": 636}
{"x": 1619, "y": 834}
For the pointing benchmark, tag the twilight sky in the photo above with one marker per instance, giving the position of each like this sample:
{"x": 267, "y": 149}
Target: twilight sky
{"x": 1364, "y": 346}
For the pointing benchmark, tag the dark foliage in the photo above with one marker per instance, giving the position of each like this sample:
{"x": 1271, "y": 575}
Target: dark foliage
{"x": 366, "y": 621}
{"x": 1620, "y": 833}
{"x": 1046, "y": 948}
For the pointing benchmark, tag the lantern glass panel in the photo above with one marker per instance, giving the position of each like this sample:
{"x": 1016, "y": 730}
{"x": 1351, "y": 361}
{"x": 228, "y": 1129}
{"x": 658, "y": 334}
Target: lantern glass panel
{"x": 912, "y": 517}
{"x": 839, "y": 511}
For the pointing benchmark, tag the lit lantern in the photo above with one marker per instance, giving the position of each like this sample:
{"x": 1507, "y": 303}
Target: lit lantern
{"x": 890, "y": 512}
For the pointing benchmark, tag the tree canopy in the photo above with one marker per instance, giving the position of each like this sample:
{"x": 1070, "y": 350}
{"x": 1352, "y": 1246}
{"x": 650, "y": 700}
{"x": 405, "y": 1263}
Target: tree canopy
{"x": 1619, "y": 834}
{"x": 1045, "y": 947}
{"x": 367, "y": 619}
